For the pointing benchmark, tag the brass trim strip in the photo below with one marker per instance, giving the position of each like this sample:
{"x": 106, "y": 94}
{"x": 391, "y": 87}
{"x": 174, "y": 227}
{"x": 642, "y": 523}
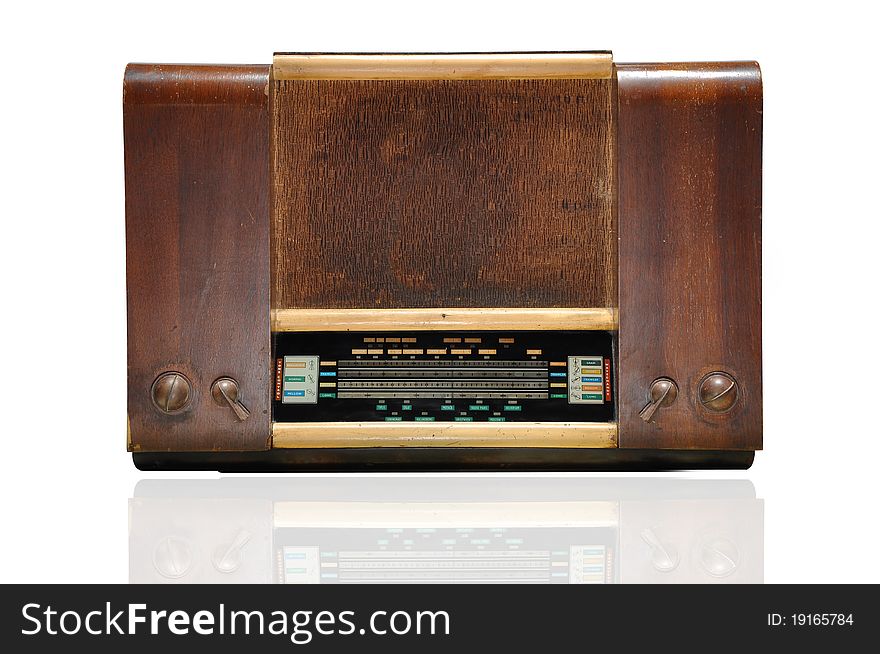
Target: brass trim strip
{"x": 500, "y": 319}
{"x": 526, "y": 65}
{"x": 443, "y": 434}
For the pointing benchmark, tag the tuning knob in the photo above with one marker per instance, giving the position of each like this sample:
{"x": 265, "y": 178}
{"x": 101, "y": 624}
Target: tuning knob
{"x": 171, "y": 392}
{"x": 718, "y": 392}
{"x": 662, "y": 393}
{"x": 225, "y": 392}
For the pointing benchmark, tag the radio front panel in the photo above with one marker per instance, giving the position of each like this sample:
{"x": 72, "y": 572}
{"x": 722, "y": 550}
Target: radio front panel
{"x": 444, "y": 261}
{"x": 487, "y": 376}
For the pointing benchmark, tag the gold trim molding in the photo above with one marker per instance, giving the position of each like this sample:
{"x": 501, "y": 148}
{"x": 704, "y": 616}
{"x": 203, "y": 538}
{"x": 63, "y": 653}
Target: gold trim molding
{"x": 444, "y": 434}
{"x": 495, "y": 319}
{"x": 480, "y": 66}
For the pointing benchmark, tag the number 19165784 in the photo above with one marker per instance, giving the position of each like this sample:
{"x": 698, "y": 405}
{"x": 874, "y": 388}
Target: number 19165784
{"x": 810, "y": 620}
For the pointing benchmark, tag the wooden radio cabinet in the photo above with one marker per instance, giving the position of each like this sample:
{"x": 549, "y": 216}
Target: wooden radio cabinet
{"x": 448, "y": 261}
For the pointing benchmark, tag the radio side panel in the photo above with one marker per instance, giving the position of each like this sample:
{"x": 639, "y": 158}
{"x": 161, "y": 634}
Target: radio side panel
{"x": 197, "y": 242}
{"x": 689, "y": 156}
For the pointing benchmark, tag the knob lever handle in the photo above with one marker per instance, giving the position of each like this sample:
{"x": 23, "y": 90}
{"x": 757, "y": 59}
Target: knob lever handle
{"x": 647, "y": 414}
{"x": 662, "y": 393}
{"x": 226, "y": 393}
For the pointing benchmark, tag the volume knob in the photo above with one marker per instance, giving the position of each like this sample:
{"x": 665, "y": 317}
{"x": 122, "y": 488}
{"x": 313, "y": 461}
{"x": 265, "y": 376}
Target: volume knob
{"x": 171, "y": 392}
{"x": 718, "y": 392}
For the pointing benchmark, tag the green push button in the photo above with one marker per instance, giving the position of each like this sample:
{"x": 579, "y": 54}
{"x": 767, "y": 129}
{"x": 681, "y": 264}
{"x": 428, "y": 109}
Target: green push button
{"x": 497, "y": 418}
{"x": 381, "y": 407}
{"x": 464, "y": 419}
{"x": 406, "y": 407}
{"x": 591, "y": 396}
{"x": 294, "y": 379}
{"x": 514, "y": 407}
{"x": 327, "y": 395}
{"x": 424, "y": 418}
{"x": 479, "y": 407}
{"x": 558, "y": 396}
{"x": 447, "y": 407}
{"x": 393, "y": 418}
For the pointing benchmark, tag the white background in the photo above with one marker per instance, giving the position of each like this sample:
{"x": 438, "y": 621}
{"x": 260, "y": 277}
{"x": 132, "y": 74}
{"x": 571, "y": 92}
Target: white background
{"x": 65, "y": 476}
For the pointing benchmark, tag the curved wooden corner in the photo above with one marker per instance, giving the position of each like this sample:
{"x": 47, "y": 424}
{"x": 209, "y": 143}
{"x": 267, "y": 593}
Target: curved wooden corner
{"x": 195, "y": 84}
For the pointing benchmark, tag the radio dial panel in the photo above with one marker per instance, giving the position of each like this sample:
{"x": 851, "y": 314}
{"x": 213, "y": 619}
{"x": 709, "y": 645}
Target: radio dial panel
{"x": 564, "y": 376}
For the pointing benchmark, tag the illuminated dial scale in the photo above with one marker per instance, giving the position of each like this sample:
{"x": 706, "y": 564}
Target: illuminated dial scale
{"x": 442, "y": 376}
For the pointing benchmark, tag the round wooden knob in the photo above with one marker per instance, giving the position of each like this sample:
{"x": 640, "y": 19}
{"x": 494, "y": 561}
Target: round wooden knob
{"x": 718, "y": 392}
{"x": 171, "y": 392}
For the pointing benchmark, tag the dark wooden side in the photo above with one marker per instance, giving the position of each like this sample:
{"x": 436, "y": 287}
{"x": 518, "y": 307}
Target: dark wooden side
{"x": 689, "y": 157}
{"x": 197, "y": 231}
{"x": 439, "y": 193}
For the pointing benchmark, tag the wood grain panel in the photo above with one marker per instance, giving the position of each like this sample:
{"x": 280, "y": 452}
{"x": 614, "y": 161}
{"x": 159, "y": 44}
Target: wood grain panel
{"x": 197, "y": 231}
{"x": 689, "y": 139}
{"x": 438, "y": 193}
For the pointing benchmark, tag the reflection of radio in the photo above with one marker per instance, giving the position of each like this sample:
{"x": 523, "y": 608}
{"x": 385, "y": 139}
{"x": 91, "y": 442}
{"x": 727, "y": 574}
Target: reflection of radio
{"x": 359, "y": 530}
{"x": 535, "y": 260}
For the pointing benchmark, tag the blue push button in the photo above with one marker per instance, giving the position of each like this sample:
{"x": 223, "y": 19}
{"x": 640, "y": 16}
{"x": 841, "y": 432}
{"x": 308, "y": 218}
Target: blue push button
{"x": 294, "y": 393}
{"x": 596, "y": 380}
{"x": 328, "y": 373}
{"x": 557, "y": 374}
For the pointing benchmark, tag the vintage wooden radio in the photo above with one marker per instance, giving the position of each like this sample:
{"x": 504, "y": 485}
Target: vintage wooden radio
{"x": 444, "y": 261}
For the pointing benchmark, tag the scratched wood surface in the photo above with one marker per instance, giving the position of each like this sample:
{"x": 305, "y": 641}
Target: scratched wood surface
{"x": 197, "y": 239}
{"x": 690, "y": 249}
{"x": 438, "y": 193}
